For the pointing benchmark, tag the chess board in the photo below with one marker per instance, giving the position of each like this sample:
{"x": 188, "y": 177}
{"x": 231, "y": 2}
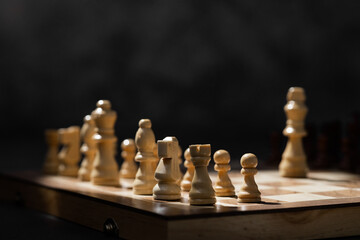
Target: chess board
{"x": 324, "y": 205}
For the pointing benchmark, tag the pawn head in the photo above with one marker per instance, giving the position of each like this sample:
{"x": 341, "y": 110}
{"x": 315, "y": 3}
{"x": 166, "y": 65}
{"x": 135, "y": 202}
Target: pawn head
{"x": 249, "y": 160}
{"x": 296, "y": 94}
{"x": 104, "y": 104}
{"x": 221, "y": 157}
{"x": 145, "y": 123}
{"x": 187, "y": 154}
{"x": 128, "y": 145}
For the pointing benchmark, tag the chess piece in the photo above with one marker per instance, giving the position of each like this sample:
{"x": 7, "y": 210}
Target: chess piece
{"x": 201, "y": 192}
{"x": 105, "y": 168}
{"x": 51, "y": 164}
{"x": 145, "y": 176}
{"x": 223, "y": 186}
{"x": 249, "y": 192}
{"x": 189, "y": 175}
{"x": 128, "y": 168}
{"x": 69, "y": 155}
{"x": 293, "y": 162}
{"x": 88, "y": 148}
{"x": 167, "y": 172}
{"x": 180, "y": 163}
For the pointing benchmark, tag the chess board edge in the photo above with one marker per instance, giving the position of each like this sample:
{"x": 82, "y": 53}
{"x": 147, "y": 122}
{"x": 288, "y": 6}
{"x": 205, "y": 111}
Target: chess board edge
{"x": 303, "y": 222}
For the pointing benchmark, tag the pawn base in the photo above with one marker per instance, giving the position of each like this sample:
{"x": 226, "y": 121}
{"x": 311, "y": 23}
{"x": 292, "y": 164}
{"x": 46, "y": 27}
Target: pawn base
{"x": 142, "y": 191}
{"x": 225, "y": 194}
{"x": 105, "y": 181}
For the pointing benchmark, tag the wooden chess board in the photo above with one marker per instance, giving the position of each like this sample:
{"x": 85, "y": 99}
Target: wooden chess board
{"x": 324, "y": 205}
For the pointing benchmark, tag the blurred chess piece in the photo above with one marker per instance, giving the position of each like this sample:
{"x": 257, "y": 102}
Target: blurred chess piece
{"x": 167, "y": 172}
{"x": 223, "y": 186}
{"x": 189, "y": 175}
{"x": 51, "y": 164}
{"x": 128, "y": 167}
{"x": 69, "y": 155}
{"x": 145, "y": 143}
{"x": 88, "y": 148}
{"x": 202, "y": 191}
{"x": 105, "y": 168}
{"x": 293, "y": 162}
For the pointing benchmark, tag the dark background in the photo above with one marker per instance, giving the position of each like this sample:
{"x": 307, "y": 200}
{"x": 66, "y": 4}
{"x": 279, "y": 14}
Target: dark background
{"x": 206, "y": 72}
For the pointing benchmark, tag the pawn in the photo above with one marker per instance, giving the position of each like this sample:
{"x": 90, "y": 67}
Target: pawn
{"x": 189, "y": 175}
{"x": 69, "y": 155}
{"x": 201, "y": 192}
{"x": 128, "y": 168}
{"x": 180, "y": 162}
{"x": 88, "y": 148}
{"x": 249, "y": 192}
{"x": 167, "y": 172}
{"x": 145, "y": 142}
{"x": 223, "y": 186}
{"x": 51, "y": 163}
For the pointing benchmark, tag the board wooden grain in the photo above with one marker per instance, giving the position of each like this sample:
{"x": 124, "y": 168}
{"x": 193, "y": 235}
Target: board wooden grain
{"x": 327, "y": 204}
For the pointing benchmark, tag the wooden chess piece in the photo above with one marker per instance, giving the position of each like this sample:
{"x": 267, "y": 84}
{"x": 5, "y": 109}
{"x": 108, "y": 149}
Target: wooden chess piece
{"x": 51, "y": 164}
{"x": 202, "y": 191}
{"x": 105, "y": 168}
{"x": 180, "y": 163}
{"x": 223, "y": 186}
{"x": 145, "y": 176}
{"x": 128, "y": 168}
{"x": 88, "y": 148}
{"x": 167, "y": 172}
{"x": 189, "y": 175}
{"x": 293, "y": 162}
{"x": 69, "y": 155}
{"x": 249, "y": 192}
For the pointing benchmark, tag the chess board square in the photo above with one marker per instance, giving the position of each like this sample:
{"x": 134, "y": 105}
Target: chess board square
{"x": 298, "y": 197}
{"x": 283, "y": 183}
{"x": 313, "y": 188}
{"x": 274, "y": 191}
{"x": 342, "y": 193}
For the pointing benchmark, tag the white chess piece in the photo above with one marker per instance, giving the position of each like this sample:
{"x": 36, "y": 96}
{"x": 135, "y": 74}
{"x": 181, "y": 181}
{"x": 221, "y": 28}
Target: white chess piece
{"x": 223, "y": 186}
{"x": 88, "y": 148}
{"x": 69, "y": 155}
{"x": 201, "y": 192}
{"x": 128, "y": 168}
{"x": 105, "y": 168}
{"x": 167, "y": 171}
{"x": 189, "y": 175}
{"x": 145, "y": 176}
{"x": 249, "y": 192}
{"x": 293, "y": 162}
